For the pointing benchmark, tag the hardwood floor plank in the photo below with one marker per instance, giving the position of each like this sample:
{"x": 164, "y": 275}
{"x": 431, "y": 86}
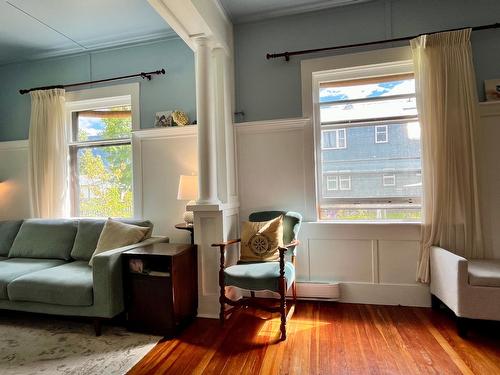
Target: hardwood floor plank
{"x": 329, "y": 338}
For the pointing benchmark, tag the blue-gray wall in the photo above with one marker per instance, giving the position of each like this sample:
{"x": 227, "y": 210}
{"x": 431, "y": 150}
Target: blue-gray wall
{"x": 175, "y": 90}
{"x": 271, "y": 89}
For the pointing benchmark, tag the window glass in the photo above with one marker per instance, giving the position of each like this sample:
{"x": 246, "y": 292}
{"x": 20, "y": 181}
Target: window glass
{"x": 103, "y": 123}
{"x": 101, "y": 162}
{"x": 378, "y": 179}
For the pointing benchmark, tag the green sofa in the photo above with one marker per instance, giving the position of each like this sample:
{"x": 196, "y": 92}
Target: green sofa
{"x": 44, "y": 268}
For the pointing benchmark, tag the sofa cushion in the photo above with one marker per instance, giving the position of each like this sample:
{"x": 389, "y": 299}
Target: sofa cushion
{"x": 8, "y": 232}
{"x": 88, "y": 234}
{"x": 484, "y": 272}
{"x": 258, "y": 276}
{"x": 42, "y": 238}
{"x": 69, "y": 284}
{"x": 13, "y": 268}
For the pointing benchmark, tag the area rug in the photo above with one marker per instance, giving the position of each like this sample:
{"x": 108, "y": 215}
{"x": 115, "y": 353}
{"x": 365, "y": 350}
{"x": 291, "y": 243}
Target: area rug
{"x": 48, "y": 345}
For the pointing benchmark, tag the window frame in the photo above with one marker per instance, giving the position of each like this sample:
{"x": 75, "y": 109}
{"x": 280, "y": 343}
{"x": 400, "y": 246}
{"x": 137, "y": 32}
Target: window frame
{"x": 88, "y": 99}
{"x": 345, "y": 178}
{"x": 390, "y": 176}
{"x": 394, "y": 65}
{"x": 385, "y": 132}
{"x": 337, "y": 139}
{"x": 335, "y": 179}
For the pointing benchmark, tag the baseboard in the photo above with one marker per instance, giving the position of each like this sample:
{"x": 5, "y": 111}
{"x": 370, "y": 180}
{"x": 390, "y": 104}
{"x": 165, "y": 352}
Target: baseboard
{"x": 318, "y": 291}
{"x": 417, "y": 295}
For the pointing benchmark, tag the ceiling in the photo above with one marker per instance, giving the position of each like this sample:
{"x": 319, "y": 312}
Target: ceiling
{"x": 253, "y": 10}
{"x": 32, "y": 29}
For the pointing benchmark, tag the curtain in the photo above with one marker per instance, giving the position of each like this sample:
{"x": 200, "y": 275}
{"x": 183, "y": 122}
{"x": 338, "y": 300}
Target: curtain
{"x": 48, "y": 166}
{"x": 447, "y": 105}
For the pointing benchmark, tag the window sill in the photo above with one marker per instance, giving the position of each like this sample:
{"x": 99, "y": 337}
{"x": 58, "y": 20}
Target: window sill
{"x": 343, "y": 222}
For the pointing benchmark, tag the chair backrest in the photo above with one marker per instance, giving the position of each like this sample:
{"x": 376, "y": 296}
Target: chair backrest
{"x": 291, "y": 224}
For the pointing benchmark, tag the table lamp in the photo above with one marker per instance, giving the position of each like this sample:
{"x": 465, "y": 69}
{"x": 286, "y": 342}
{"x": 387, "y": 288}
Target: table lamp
{"x": 188, "y": 191}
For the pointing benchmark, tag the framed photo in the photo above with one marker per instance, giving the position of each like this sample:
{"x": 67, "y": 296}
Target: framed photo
{"x": 492, "y": 89}
{"x": 163, "y": 119}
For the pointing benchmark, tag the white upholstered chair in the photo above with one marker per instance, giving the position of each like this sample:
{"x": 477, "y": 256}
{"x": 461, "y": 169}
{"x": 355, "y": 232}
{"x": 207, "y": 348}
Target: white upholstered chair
{"x": 470, "y": 288}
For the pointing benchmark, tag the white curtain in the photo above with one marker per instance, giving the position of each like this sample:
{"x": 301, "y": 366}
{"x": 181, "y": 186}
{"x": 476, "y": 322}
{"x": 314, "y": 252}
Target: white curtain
{"x": 48, "y": 166}
{"x": 447, "y": 104}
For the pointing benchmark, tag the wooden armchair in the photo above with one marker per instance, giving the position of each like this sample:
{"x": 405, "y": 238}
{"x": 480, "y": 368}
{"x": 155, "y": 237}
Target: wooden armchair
{"x": 256, "y": 276}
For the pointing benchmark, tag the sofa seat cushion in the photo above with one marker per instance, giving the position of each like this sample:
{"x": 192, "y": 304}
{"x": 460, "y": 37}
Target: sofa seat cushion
{"x": 44, "y": 238}
{"x": 258, "y": 276}
{"x": 484, "y": 272}
{"x": 69, "y": 285}
{"x": 13, "y": 268}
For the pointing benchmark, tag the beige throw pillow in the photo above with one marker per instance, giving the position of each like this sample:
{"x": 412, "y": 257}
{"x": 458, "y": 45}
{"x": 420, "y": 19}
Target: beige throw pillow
{"x": 260, "y": 240}
{"x": 116, "y": 234}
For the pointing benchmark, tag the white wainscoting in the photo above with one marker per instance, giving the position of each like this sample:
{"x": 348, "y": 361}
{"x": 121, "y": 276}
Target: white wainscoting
{"x": 161, "y": 155}
{"x": 14, "y": 190}
{"x": 374, "y": 263}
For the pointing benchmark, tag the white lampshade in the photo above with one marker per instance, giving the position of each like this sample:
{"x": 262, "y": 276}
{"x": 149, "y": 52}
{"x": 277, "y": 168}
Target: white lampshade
{"x": 188, "y": 188}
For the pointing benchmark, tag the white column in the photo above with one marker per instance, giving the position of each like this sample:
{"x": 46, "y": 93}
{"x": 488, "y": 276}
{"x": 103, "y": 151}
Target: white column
{"x": 232, "y": 182}
{"x": 207, "y": 173}
{"x": 218, "y": 56}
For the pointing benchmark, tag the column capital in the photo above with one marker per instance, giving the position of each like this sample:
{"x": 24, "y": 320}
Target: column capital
{"x": 200, "y": 40}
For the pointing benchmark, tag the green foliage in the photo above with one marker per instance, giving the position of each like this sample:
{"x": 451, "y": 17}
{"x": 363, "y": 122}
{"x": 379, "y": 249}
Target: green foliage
{"x": 106, "y": 174}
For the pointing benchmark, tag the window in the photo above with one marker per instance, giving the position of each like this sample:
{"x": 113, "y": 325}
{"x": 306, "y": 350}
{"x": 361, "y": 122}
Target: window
{"x": 345, "y": 182}
{"x": 332, "y": 183}
{"x": 100, "y": 154}
{"x": 382, "y": 102}
{"x": 333, "y": 139}
{"x": 381, "y": 134}
{"x": 389, "y": 180}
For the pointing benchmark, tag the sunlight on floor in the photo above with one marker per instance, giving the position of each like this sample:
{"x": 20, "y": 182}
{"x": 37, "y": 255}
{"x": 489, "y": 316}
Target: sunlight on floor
{"x": 272, "y": 326}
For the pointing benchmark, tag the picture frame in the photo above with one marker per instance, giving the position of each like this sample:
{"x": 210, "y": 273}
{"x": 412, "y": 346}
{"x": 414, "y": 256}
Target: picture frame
{"x": 163, "y": 119}
{"x": 492, "y": 89}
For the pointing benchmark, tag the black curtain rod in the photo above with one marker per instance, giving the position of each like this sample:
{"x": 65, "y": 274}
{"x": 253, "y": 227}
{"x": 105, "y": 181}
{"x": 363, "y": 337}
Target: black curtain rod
{"x": 287, "y": 55}
{"x": 143, "y": 75}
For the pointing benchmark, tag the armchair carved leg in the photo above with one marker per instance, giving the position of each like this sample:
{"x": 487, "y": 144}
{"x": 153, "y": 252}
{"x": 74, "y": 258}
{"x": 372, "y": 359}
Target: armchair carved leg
{"x": 282, "y": 289}
{"x": 222, "y": 286}
{"x": 294, "y": 292}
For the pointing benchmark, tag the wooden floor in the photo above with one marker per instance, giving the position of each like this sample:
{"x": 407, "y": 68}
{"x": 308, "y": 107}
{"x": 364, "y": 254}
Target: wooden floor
{"x": 330, "y": 338}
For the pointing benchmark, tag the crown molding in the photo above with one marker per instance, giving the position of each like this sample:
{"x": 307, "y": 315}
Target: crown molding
{"x": 96, "y": 47}
{"x": 294, "y": 9}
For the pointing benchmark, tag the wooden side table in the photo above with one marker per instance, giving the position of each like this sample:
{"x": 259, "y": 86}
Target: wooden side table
{"x": 160, "y": 287}
{"x": 190, "y": 228}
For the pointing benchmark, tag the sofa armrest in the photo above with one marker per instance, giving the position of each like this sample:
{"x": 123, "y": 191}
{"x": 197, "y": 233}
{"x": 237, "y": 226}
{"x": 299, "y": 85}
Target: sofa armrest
{"x": 449, "y": 277}
{"x": 107, "y": 278}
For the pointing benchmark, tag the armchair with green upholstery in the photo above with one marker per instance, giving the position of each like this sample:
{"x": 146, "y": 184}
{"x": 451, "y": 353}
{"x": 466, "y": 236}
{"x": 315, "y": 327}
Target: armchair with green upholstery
{"x": 275, "y": 276}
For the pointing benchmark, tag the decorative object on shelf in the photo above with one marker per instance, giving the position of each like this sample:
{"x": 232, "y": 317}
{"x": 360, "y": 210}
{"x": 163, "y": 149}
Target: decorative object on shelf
{"x": 492, "y": 89}
{"x": 180, "y": 118}
{"x": 163, "y": 119}
{"x": 188, "y": 191}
